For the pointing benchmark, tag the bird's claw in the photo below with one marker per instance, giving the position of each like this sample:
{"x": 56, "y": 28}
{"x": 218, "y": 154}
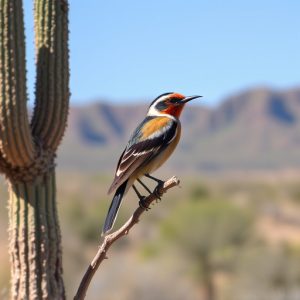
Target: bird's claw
{"x": 142, "y": 204}
{"x": 157, "y": 192}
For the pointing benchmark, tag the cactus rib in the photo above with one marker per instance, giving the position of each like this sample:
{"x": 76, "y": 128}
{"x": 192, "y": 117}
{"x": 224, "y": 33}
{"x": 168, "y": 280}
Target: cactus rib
{"x": 16, "y": 140}
{"x": 49, "y": 118}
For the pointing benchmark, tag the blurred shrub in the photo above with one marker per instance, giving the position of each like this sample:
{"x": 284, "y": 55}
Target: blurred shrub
{"x": 208, "y": 226}
{"x": 199, "y": 192}
{"x": 210, "y": 233}
{"x": 150, "y": 250}
{"x": 85, "y": 219}
{"x": 267, "y": 273}
{"x": 294, "y": 191}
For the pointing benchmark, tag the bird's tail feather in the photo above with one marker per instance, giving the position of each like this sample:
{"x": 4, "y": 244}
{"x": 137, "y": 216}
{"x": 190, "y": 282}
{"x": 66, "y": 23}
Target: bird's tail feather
{"x": 114, "y": 208}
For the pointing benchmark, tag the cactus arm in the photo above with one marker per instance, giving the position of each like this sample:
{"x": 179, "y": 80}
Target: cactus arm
{"x": 52, "y": 91}
{"x": 16, "y": 143}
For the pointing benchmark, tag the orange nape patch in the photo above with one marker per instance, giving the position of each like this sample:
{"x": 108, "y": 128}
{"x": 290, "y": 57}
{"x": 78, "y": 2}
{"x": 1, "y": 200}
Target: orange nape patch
{"x": 153, "y": 126}
{"x": 174, "y": 110}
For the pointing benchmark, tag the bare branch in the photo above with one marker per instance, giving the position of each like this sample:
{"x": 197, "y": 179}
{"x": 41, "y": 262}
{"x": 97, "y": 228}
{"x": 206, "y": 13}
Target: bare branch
{"x": 124, "y": 230}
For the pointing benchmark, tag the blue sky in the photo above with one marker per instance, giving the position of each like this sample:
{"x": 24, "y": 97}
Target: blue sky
{"x": 131, "y": 50}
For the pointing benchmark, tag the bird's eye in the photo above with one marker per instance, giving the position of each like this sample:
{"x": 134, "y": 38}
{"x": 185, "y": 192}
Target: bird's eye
{"x": 173, "y": 100}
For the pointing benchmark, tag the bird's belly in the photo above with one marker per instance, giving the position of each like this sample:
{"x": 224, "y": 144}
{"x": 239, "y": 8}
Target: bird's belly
{"x": 161, "y": 158}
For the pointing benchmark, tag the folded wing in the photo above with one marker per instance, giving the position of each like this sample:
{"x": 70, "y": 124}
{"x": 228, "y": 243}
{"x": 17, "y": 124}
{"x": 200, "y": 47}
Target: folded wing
{"x": 149, "y": 139}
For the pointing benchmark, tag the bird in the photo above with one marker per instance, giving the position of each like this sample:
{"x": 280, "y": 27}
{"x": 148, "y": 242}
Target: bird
{"x": 150, "y": 145}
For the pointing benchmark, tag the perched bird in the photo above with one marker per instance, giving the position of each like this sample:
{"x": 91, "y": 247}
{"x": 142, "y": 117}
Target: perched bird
{"x": 150, "y": 145}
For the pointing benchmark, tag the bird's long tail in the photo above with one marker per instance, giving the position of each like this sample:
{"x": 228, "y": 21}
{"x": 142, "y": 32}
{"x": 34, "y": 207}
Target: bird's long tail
{"x": 114, "y": 208}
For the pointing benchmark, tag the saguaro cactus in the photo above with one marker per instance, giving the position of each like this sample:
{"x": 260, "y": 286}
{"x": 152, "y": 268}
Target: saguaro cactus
{"x": 27, "y": 149}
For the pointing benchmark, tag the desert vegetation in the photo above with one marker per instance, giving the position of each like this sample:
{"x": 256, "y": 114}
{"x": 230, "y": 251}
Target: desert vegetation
{"x": 232, "y": 237}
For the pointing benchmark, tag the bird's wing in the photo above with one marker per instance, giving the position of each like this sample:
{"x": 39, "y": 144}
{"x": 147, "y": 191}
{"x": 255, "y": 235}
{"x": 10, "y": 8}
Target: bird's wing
{"x": 151, "y": 137}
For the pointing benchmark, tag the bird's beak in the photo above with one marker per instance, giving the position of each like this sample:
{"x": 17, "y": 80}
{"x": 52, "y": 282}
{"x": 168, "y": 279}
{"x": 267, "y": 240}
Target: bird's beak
{"x": 189, "y": 98}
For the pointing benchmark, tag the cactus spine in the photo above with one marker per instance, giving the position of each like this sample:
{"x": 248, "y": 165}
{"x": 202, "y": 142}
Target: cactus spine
{"x": 27, "y": 150}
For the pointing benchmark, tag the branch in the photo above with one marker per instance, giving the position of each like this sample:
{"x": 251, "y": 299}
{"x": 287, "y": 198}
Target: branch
{"x": 124, "y": 230}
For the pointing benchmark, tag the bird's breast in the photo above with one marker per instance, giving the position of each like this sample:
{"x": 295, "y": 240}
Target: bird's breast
{"x": 165, "y": 154}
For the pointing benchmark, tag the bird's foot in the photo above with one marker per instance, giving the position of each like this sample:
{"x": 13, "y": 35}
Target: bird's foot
{"x": 142, "y": 203}
{"x": 157, "y": 192}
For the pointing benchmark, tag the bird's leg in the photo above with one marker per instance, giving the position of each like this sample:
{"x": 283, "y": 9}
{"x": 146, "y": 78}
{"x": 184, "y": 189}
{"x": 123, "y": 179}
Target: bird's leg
{"x": 154, "y": 178}
{"x": 138, "y": 193}
{"x": 141, "y": 198}
{"x": 157, "y": 194}
{"x": 144, "y": 185}
{"x": 160, "y": 183}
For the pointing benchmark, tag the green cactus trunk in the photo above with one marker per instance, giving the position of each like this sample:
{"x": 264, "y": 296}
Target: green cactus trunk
{"x": 35, "y": 240}
{"x": 28, "y": 149}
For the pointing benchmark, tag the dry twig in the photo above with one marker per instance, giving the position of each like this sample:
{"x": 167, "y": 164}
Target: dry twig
{"x": 124, "y": 230}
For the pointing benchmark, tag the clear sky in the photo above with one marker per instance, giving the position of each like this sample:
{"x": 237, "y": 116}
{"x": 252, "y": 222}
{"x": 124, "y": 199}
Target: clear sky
{"x": 130, "y": 50}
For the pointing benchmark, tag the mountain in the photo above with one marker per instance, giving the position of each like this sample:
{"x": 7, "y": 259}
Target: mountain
{"x": 254, "y": 129}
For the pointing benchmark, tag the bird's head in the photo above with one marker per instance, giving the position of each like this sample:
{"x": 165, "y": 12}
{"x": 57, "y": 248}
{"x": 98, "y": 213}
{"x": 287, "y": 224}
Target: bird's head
{"x": 169, "y": 103}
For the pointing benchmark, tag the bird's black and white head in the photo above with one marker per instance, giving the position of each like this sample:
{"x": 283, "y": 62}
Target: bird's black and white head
{"x": 170, "y": 104}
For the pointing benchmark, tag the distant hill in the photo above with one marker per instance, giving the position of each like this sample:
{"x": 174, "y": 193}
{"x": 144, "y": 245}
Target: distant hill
{"x": 254, "y": 129}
